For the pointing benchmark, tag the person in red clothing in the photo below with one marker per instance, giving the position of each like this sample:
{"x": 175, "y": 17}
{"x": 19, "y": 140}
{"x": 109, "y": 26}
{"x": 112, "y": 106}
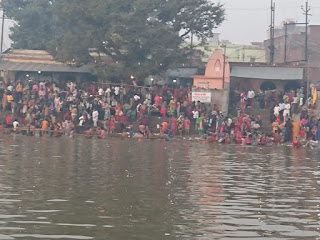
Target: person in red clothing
{"x": 249, "y": 139}
{"x": 123, "y": 122}
{"x": 295, "y": 142}
{"x": 157, "y": 100}
{"x": 187, "y": 126}
{"x": 112, "y": 124}
{"x": 174, "y": 126}
{"x": 67, "y": 116}
{"x": 239, "y": 137}
{"x": 9, "y": 121}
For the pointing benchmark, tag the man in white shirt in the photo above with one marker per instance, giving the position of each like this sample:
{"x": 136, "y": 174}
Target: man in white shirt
{"x": 195, "y": 114}
{"x": 276, "y": 110}
{"x": 95, "y": 117}
{"x": 100, "y": 92}
{"x": 136, "y": 97}
{"x": 116, "y": 90}
{"x": 281, "y": 106}
{"x": 286, "y": 111}
{"x": 15, "y": 125}
{"x": 10, "y": 88}
{"x": 251, "y": 95}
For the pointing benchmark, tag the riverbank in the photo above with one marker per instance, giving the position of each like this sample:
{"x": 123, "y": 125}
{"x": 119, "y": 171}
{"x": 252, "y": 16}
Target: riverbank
{"x": 204, "y": 139}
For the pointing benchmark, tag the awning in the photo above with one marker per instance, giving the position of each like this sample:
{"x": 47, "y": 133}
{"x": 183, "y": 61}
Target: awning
{"x": 272, "y": 73}
{"x": 35, "y": 67}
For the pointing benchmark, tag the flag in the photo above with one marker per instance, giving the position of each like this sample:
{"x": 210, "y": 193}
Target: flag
{"x": 315, "y": 96}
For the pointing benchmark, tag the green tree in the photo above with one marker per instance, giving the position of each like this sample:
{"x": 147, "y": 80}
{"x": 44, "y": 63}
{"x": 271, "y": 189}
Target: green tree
{"x": 141, "y": 37}
{"x": 34, "y": 23}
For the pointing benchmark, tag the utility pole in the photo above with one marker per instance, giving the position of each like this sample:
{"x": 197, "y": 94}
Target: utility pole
{"x": 285, "y": 42}
{"x": 273, "y": 11}
{"x": 2, "y": 29}
{"x": 224, "y": 65}
{"x": 191, "y": 41}
{"x": 307, "y": 14}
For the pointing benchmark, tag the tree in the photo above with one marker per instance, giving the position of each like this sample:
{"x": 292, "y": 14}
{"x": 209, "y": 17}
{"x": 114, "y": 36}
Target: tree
{"x": 141, "y": 37}
{"x": 34, "y": 23}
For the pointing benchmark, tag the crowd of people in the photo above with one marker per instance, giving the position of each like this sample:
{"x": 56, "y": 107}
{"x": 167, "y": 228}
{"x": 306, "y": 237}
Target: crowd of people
{"x": 58, "y": 108}
{"x": 291, "y": 113}
{"x": 83, "y": 107}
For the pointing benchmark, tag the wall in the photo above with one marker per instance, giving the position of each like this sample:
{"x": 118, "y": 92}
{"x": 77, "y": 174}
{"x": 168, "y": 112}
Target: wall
{"x": 315, "y": 75}
{"x": 237, "y": 53}
{"x": 255, "y": 84}
{"x": 221, "y": 98}
{"x": 296, "y": 48}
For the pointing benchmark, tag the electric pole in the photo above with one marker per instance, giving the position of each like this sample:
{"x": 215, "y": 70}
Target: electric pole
{"x": 224, "y": 64}
{"x": 2, "y": 29}
{"x": 272, "y": 26}
{"x": 307, "y": 14}
{"x": 285, "y": 42}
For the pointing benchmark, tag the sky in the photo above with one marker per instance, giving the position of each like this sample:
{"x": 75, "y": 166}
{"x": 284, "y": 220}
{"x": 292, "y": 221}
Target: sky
{"x": 248, "y": 20}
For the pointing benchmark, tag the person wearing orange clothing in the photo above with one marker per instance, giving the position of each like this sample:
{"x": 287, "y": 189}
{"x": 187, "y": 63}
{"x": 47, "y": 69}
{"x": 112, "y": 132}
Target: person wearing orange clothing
{"x": 275, "y": 126}
{"x": 44, "y": 126}
{"x": 164, "y": 127}
{"x": 4, "y": 101}
{"x": 19, "y": 89}
{"x": 295, "y": 130}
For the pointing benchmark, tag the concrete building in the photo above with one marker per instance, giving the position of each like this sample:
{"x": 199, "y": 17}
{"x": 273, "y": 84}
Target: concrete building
{"x": 255, "y": 52}
{"x": 290, "y": 48}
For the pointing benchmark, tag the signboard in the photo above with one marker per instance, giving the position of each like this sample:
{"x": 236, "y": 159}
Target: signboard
{"x": 203, "y": 85}
{"x": 204, "y": 97}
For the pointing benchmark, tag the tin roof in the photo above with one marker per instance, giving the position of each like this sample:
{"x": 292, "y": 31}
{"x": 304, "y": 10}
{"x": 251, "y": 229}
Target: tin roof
{"x": 43, "y": 67}
{"x": 36, "y": 60}
{"x": 272, "y": 73}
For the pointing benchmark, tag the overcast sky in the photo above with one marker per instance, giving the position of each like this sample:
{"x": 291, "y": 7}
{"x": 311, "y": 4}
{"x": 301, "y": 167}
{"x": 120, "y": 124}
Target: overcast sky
{"x": 248, "y": 20}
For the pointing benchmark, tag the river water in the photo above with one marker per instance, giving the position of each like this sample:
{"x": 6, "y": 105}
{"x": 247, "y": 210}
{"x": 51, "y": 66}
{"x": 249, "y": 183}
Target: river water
{"x": 62, "y": 188}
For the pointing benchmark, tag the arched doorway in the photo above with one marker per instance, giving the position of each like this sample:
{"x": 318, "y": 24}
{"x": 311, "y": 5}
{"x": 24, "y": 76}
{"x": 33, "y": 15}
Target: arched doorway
{"x": 268, "y": 86}
{"x": 292, "y": 85}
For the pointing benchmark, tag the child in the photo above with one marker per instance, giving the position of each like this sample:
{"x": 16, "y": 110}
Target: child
{"x": 214, "y": 137}
{"x": 303, "y": 134}
{"x": 180, "y": 126}
{"x": 112, "y": 124}
{"x": 295, "y": 143}
{"x": 107, "y": 126}
{"x": 249, "y": 139}
{"x": 239, "y": 137}
{"x": 187, "y": 126}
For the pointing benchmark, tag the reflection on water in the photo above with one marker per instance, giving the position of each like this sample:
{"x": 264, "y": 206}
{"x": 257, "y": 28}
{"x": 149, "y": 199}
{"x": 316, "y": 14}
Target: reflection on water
{"x": 124, "y": 189}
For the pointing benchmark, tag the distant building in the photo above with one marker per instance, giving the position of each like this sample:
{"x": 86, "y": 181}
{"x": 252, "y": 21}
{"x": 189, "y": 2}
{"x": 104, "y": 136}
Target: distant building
{"x": 290, "y": 48}
{"x": 238, "y": 53}
{"x": 36, "y": 65}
